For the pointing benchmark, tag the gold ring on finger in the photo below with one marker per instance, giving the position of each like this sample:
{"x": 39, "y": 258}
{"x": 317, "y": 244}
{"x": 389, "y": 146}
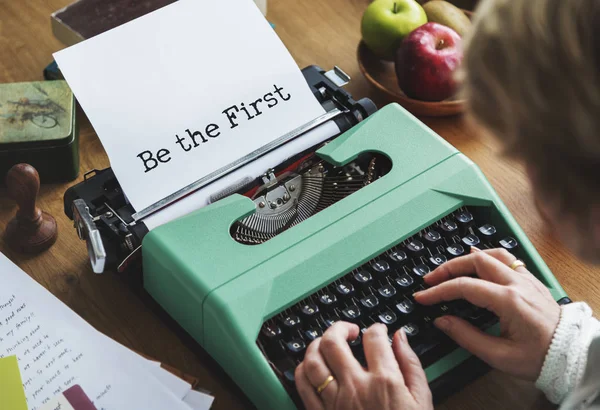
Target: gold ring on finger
{"x": 518, "y": 264}
{"x": 324, "y": 385}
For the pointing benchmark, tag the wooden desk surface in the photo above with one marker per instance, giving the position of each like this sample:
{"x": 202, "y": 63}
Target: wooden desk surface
{"x": 319, "y": 32}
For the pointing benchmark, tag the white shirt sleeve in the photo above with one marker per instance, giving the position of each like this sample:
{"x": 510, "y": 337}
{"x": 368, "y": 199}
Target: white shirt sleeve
{"x": 567, "y": 355}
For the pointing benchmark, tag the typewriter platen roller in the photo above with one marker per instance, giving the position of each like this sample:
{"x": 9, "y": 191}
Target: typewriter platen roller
{"x": 284, "y": 195}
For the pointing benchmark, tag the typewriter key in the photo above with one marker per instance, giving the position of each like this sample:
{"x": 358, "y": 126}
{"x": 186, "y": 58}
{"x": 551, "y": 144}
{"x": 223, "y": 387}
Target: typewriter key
{"x": 370, "y": 301}
{"x": 271, "y": 331}
{"x": 421, "y": 270}
{"x": 449, "y": 228}
{"x": 438, "y": 259}
{"x": 405, "y": 307}
{"x": 470, "y": 240}
{"x": 327, "y": 299}
{"x": 432, "y": 236}
{"x": 398, "y": 256}
{"x": 387, "y": 317}
{"x": 309, "y": 309}
{"x": 344, "y": 288}
{"x": 387, "y": 291}
{"x": 464, "y": 218}
{"x": 455, "y": 250}
{"x": 508, "y": 243}
{"x": 415, "y": 247}
{"x": 356, "y": 346}
{"x": 487, "y": 230}
{"x": 330, "y": 320}
{"x": 357, "y": 350}
{"x": 380, "y": 266}
{"x": 291, "y": 322}
{"x": 312, "y": 333}
{"x": 351, "y": 313}
{"x": 404, "y": 280}
{"x": 289, "y": 374}
{"x": 410, "y": 329}
{"x": 356, "y": 342}
{"x": 362, "y": 277}
{"x": 296, "y": 346}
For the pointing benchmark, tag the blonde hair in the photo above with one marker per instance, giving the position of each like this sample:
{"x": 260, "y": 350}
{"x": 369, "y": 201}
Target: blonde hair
{"x": 531, "y": 76}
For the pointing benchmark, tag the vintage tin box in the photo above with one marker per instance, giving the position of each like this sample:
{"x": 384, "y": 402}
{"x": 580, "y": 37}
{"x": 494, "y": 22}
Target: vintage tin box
{"x": 38, "y": 126}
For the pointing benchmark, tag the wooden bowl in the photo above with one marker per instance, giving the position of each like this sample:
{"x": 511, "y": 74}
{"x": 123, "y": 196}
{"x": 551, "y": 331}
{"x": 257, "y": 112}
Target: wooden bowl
{"x": 382, "y": 75}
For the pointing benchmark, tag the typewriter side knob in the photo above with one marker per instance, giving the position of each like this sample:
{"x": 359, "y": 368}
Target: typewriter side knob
{"x": 31, "y": 230}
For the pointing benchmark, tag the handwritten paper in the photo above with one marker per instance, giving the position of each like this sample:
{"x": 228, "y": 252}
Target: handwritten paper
{"x": 45, "y": 359}
{"x": 12, "y": 395}
{"x": 57, "y": 349}
{"x": 59, "y": 402}
{"x": 183, "y": 91}
{"x": 74, "y": 398}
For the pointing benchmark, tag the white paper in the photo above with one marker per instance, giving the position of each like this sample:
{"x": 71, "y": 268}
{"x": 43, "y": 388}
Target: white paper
{"x": 56, "y": 349}
{"x": 253, "y": 170}
{"x": 198, "y": 400}
{"x": 121, "y": 354}
{"x": 59, "y": 402}
{"x": 179, "y": 387}
{"x": 182, "y": 67}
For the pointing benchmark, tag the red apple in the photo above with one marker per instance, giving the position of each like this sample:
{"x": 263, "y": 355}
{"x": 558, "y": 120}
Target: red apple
{"x": 426, "y": 61}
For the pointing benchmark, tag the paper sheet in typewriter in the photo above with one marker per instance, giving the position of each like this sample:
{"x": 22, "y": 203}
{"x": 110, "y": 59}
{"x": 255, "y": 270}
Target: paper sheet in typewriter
{"x": 183, "y": 91}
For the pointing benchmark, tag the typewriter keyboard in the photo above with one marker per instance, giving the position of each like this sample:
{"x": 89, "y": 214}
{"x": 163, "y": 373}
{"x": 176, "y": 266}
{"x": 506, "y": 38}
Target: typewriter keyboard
{"x": 381, "y": 291}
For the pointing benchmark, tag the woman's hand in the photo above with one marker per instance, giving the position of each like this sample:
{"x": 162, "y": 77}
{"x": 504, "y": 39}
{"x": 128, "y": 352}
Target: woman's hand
{"x": 394, "y": 380}
{"x": 528, "y": 313}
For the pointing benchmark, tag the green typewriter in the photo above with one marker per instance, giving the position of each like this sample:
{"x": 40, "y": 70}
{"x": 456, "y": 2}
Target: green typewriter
{"x": 255, "y": 289}
{"x": 341, "y": 230}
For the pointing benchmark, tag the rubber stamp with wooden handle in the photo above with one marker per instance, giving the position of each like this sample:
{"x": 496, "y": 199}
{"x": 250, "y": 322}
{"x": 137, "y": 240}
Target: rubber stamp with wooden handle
{"x": 31, "y": 230}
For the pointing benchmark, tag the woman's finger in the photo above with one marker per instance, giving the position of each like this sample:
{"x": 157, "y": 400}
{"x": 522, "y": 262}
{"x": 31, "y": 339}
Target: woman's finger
{"x": 411, "y": 368}
{"x": 306, "y": 391}
{"x": 317, "y": 372}
{"x": 337, "y": 354}
{"x": 502, "y": 255}
{"x": 480, "y": 263}
{"x": 479, "y": 292}
{"x": 491, "y": 349}
{"x": 506, "y": 258}
{"x": 378, "y": 352}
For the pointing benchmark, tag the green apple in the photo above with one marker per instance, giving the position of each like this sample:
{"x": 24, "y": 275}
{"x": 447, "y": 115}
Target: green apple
{"x": 386, "y": 22}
